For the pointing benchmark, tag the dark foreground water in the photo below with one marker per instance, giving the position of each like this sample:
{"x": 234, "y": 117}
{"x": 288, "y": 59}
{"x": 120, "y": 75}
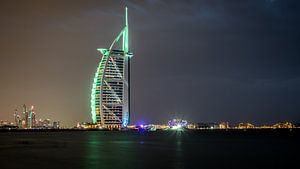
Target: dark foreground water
{"x": 151, "y": 150}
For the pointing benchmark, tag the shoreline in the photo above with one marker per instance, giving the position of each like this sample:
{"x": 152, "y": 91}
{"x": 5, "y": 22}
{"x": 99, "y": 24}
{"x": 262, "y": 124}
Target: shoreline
{"x": 134, "y": 130}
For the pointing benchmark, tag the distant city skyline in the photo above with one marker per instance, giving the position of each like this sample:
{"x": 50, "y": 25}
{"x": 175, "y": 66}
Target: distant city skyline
{"x": 203, "y": 61}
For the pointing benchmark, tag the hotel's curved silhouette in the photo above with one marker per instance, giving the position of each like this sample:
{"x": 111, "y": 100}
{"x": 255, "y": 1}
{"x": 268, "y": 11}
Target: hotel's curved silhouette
{"x": 110, "y": 99}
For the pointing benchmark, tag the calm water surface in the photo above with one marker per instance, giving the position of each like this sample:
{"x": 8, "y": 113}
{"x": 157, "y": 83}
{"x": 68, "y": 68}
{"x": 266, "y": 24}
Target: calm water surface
{"x": 150, "y": 150}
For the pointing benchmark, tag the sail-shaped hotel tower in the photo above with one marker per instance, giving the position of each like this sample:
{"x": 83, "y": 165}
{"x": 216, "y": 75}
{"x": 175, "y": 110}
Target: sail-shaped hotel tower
{"x": 110, "y": 97}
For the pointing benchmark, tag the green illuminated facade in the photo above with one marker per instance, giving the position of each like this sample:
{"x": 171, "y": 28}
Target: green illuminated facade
{"x": 111, "y": 87}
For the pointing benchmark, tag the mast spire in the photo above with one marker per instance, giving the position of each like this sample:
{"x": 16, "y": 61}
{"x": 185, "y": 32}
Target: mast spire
{"x": 126, "y": 16}
{"x": 125, "y": 33}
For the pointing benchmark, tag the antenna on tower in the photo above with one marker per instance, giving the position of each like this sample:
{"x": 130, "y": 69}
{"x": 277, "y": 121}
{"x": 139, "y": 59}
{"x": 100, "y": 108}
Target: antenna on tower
{"x": 125, "y": 33}
{"x": 126, "y": 16}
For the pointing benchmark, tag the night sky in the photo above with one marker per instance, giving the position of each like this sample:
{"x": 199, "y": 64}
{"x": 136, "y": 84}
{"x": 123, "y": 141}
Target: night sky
{"x": 204, "y": 61}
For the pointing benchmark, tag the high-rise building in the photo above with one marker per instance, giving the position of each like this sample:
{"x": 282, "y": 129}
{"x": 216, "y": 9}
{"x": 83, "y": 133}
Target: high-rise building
{"x": 33, "y": 122}
{"x": 19, "y": 124}
{"x": 16, "y": 117}
{"x": 110, "y": 97}
{"x": 31, "y": 117}
{"x": 26, "y": 117}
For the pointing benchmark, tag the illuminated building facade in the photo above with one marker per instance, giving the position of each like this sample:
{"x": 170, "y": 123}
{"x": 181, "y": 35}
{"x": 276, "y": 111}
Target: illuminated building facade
{"x": 28, "y": 119}
{"x": 111, "y": 87}
{"x": 283, "y": 125}
{"x": 177, "y": 123}
{"x": 245, "y": 126}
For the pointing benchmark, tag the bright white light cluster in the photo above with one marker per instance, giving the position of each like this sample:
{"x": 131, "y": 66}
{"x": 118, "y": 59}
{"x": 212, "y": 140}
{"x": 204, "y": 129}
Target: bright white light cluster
{"x": 177, "y": 124}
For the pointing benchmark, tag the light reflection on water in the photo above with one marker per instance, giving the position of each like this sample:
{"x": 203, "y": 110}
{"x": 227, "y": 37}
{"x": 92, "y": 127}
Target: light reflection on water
{"x": 149, "y": 150}
{"x": 108, "y": 153}
{"x": 93, "y": 152}
{"x": 133, "y": 150}
{"x": 179, "y": 153}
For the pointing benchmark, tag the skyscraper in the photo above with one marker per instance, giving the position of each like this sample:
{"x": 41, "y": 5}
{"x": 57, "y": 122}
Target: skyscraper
{"x": 16, "y": 117}
{"x": 31, "y": 118}
{"x": 26, "y": 117}
{"x": 110, "y": 97}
